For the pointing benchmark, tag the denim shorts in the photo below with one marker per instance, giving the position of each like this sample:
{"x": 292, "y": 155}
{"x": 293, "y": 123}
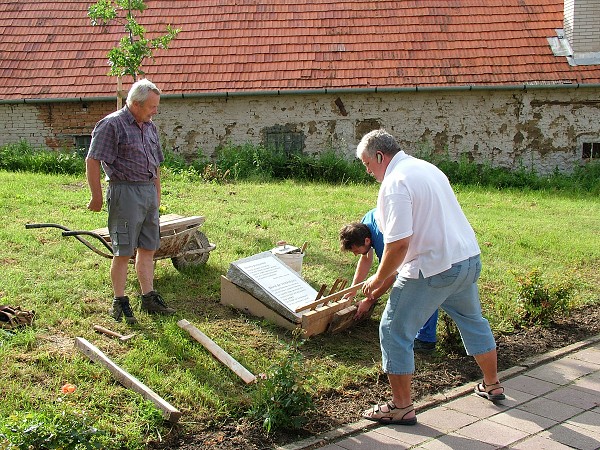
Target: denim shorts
{"x": 412, "y": 301}
{"x": 132, "y": 217}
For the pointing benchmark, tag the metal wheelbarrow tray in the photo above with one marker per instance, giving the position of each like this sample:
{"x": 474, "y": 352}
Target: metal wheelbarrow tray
{"x": 180, "y": 240}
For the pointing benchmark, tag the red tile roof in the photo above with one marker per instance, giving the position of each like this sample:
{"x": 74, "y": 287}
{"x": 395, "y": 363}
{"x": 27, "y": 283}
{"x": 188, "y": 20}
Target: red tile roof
{"x": 48, "y": 49}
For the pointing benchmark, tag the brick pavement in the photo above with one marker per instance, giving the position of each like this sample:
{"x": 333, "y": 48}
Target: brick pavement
{"x": 552, "y": 403}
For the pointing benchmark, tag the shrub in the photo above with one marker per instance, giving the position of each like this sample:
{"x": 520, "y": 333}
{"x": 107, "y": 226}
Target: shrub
{"x": 540, "y": 302}
{"x": 21, "y": 157}
{"x": 280, "y": 400}
{"x": 256, "y": 162}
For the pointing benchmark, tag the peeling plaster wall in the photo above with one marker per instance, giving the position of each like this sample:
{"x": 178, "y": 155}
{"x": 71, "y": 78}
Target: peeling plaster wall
{"x": 540, "y": 129}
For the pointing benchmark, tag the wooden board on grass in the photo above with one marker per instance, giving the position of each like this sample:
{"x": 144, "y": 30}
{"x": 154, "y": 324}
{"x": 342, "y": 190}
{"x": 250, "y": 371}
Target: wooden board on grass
{"x": 170, "y": 413}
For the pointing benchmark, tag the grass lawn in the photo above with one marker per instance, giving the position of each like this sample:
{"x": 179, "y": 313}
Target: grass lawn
{"x": 69, "y": 288}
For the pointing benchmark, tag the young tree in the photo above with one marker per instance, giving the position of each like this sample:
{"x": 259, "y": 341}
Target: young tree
{"x": 134, "y": 47}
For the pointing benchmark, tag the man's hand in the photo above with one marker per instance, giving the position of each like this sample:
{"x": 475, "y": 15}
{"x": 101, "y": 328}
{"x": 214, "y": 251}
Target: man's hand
{"x": 363, "y": 307}
{"x": 371, "y": 286}
{"x": 95, "y": 204}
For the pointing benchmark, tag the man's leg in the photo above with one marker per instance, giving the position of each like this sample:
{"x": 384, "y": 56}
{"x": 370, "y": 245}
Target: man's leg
{"x": 152, "y": 302}
{"x": 488, "y": 363}
{"x": 118, "y": 274}
{"x": 144, "y": 267}
{"x": 401, "y": 397}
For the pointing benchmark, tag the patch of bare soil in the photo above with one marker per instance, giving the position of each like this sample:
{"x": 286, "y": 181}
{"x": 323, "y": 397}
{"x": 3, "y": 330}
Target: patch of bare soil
{"x": 433, "y": 374}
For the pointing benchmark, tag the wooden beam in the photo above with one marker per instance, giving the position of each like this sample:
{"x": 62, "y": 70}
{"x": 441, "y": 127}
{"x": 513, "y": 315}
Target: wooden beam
{"x": 217, "y": 351}
{"x": 321, "y": 291}
{"x": 330, "y": 297}
{"x": 129, "y": 381}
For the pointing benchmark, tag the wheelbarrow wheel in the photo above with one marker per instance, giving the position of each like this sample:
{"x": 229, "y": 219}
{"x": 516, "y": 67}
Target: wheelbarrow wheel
{"x": 188, "y": 259}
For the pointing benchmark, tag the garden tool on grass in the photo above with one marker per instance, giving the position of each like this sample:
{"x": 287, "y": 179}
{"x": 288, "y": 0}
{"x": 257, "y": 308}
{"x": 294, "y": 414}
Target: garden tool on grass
{"x": 108, "y": 332}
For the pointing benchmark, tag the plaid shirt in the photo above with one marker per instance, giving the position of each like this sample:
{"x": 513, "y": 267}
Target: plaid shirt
{"x": 127, "y": 152}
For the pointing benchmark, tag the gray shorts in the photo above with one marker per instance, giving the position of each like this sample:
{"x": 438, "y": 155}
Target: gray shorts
{"x": 132, "y": 217}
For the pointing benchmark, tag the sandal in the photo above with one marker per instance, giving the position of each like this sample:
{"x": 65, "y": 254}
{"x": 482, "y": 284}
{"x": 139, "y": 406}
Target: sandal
{"x": 393, "y": 415}
{"x": 485, "y": 391}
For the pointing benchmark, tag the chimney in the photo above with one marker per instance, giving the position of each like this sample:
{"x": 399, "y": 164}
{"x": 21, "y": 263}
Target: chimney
{"x": 582, "y": 27}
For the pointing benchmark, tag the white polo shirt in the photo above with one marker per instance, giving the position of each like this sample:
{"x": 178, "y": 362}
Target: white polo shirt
{"x": 416, "y": 199}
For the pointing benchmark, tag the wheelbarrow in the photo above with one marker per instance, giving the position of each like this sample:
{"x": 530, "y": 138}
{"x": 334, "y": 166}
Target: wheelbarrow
{"x": 180, "y": 240}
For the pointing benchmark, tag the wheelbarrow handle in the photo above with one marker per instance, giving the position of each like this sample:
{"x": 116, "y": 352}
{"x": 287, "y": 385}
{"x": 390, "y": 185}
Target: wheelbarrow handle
{"x": 45, "y": 225}
{"x": 76, "y": 234}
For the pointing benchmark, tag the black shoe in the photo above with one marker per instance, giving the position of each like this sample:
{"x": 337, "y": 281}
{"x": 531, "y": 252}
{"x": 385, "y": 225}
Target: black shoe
{"x": 121, "y": 307}
{"x": 423, "y": 346}
{"x": 153, "y": 303}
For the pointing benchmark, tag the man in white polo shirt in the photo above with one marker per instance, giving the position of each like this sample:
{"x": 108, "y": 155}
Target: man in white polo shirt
{"x": 429, "y": 242}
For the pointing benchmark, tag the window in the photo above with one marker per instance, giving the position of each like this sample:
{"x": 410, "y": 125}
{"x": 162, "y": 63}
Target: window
{"x": 82, "y": 143}
{"x": 283, "y": 138}
{"x": 591, "y": 150}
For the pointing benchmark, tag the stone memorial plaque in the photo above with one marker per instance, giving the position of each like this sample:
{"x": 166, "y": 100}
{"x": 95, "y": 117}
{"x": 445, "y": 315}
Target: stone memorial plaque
{"x": 272, "y": 282}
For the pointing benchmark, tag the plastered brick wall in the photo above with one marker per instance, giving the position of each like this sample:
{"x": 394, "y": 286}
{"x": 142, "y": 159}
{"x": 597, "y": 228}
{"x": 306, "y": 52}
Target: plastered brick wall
{"x": 538, "y": 129}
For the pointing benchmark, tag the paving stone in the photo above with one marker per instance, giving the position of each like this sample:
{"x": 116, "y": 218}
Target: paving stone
{"x": 588, "y": 383}
{"x": 563, "y": 371}
{"x": 555, "y": 406}
{"x": 529, "y": 385}
{"x": 549, "y": 408}
{"x": 524, "y": 421}
{"x": 455, "y": 441}
{"x": 476, "y": 406}
{"x": 371, "y": 440}
{"x": 412, "y": 435}
{"x": 573, "y": 436}
{"x": 539, "y": 443}
{"x": 584, "y": 399}
{"x": 591, "y": 354}
{"x": 445, "y": 420}
{"x": 589, "y": 420}
{"x": 492, "y": 433}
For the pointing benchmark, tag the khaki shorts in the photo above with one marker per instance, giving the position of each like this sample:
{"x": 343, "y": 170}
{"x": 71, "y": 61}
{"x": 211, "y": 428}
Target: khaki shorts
{"x": 132, "y": 216}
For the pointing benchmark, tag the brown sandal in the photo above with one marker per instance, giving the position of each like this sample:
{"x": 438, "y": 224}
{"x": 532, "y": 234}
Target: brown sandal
{"x": 485, "y": 391}
{"x": 393, "y": 415}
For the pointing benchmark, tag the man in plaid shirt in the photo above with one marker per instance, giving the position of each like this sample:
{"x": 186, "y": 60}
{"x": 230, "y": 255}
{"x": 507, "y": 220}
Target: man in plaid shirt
{"x": 125, "y": 144}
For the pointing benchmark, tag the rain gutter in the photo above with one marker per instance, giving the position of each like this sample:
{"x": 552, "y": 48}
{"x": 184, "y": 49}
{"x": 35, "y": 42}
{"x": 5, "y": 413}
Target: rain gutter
{"x": 374, "y": 90}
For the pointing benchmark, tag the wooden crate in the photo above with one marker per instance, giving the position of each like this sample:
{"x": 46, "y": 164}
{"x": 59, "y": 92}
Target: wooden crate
{"x": 336, "y": 315}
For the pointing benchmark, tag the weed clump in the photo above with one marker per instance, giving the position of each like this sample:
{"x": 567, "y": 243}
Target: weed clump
{"x": 540, "y": 302}
{"x": 280, "y": 400}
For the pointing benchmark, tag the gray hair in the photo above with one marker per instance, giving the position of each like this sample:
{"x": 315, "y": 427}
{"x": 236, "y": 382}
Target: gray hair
{"x": 140, "y": 90}
{"x": 377, "y": 141}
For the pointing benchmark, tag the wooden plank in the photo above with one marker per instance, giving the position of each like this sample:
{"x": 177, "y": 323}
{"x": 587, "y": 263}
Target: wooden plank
{"x": 168, "y": 222}
{"x": 175, "y": 222}
{"x": 331, "y": 297}
{"x": 129, "y": 381}
{"x": 317, "y": 321}
{"x": 217, "y": 351}
{"x": 345, "y": 318}
{"x": 335, "y": 286}
{"x": 321, "y": 291}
